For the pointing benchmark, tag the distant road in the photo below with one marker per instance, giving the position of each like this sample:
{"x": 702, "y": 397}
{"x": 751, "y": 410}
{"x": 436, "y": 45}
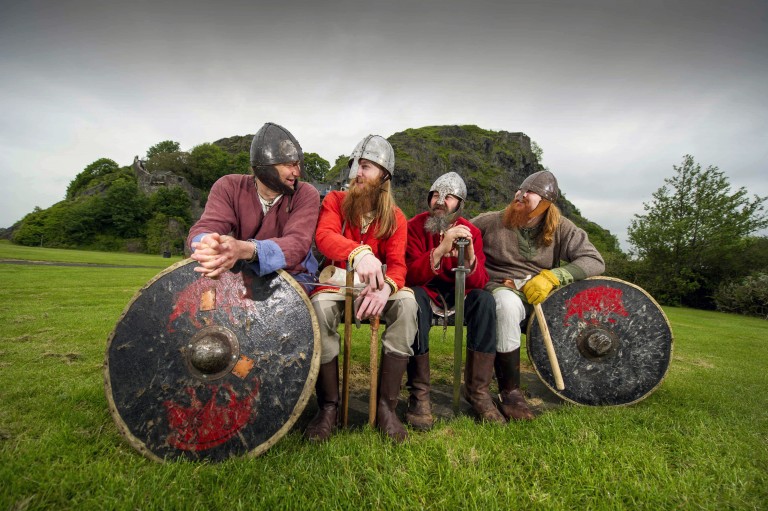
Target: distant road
{"x": 60, "y": 263}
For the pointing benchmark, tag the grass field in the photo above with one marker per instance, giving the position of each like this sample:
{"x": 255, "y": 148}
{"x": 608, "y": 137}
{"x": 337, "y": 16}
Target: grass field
{"x": 699, "y": 442}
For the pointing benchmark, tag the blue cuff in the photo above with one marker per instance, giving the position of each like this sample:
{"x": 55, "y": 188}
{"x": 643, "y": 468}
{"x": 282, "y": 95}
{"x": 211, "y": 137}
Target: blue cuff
{"x": 271, "y": 258}
{"x": 196, "y": 239}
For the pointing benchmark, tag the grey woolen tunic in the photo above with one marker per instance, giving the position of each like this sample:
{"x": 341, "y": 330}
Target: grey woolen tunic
{"x": 513, "y": 254}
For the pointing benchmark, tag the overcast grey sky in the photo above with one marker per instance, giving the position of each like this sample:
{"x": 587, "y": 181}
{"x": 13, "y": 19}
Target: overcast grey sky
{"x": 615, "y": 92}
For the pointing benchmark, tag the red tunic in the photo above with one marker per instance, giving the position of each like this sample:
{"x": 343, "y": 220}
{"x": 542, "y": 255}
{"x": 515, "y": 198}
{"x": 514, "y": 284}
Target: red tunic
{"x": 337, "y": 247}
{"x": 419, "y": 251}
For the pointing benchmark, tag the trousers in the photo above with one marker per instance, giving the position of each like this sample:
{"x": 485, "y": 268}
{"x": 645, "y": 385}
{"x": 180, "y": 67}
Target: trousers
{"x": 510, "y": 312}
{"x": 399, "y": 315}
{"x": 479, "y": 318}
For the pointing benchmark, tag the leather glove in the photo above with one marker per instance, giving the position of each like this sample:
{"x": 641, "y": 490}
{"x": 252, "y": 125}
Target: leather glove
{"x": 539, "y": 287}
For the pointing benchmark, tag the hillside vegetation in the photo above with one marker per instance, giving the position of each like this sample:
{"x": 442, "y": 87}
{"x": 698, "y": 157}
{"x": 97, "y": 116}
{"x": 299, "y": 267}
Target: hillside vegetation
{"x": 149, "y": 206}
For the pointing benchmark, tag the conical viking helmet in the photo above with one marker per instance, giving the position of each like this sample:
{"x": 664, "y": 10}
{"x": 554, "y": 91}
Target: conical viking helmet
{"x": 376, "y": 149}
{"x": 449, "y": 184}
{"x": 271, "y": 145}
{"x": 542, "y": 182}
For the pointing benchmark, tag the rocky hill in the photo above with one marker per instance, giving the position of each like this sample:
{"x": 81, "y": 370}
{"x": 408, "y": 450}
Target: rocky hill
{"x": 492, "y": 163}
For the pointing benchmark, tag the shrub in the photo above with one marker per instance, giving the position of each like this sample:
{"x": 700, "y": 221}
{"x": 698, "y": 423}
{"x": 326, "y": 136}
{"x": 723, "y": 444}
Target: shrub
{"x": 747, "y": 296}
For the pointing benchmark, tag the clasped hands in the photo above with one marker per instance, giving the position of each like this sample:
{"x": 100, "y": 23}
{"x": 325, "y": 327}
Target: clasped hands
{"x": 217, "y": 253}
{"x": 447, "y": 247}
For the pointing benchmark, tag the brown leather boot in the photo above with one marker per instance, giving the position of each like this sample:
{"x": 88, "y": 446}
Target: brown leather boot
{"x": 419, "y": 413}
{"x": 323, "y": 424}
{"x": 390, "y": 377}
{"x": 512, "y": 402}
{"x": 477, "y": 378}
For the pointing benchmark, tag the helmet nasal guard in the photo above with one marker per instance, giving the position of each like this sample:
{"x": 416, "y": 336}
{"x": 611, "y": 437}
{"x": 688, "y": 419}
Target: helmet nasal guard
{"x": 449, "y": 184}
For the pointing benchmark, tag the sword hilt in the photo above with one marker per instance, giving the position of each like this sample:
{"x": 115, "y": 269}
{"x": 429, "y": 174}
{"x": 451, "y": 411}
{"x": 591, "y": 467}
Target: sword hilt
{"x": 461, "y": 243}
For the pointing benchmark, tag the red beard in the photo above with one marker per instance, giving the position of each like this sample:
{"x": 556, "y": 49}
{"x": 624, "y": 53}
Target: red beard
{"x": 516, "y": 215}
{"x": 362, "y": 198}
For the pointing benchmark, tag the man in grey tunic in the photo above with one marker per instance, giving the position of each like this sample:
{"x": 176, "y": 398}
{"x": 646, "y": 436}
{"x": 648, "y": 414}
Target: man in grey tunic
{"x": 530, "y": 249}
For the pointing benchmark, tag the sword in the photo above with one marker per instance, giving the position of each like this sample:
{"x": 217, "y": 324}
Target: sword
{"x": 461, "y": 273}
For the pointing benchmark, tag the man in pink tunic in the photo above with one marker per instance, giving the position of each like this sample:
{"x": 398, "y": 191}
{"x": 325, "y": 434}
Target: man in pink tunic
{"x": 265, "y": 220}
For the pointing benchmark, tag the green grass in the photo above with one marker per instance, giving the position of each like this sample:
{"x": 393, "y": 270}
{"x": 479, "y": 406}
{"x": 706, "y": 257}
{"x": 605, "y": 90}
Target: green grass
{"x": 9, "y": 251}
{"x": 698, "y": 442}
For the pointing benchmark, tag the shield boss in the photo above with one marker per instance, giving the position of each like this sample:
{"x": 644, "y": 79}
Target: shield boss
{"x": 613, "y": 342}
{"x": 211, "y": 369}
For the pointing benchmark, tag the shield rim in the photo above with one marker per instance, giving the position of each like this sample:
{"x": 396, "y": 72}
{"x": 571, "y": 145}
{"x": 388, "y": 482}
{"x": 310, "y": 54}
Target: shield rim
{"x": 301, "y": 403}
{"x": 553, "y": 388}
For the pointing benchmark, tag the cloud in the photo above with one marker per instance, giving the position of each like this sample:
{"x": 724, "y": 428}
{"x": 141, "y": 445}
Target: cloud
{"x": 614, "y": 92}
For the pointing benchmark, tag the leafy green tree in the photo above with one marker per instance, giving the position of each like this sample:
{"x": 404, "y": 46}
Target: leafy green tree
{"x": 208, "y": 162}
{"x": 166, "y": 233}
{"x": 241, "y": 163}
{"x": 164, "y": 147}
{"x": 694, "y": 223}
{"x": 316, "y": 167}
{"x": 177, "y": 162}
{"x": 99, "y": 168}
{"x": 173, "y": 202}
{"x": 82, "y": 220}
{"x": 126, "y": 208}
{"x": 31, "y": 231}
{"x": 338, "y": 171}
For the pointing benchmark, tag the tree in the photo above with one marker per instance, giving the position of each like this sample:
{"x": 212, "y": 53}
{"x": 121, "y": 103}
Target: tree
{"x": 177, "y": 162}
{"x": 316, "y": 167}
{"x": 339, "y": 171}
{"x": 164, "y": 147}
{"x": 689, "y": 230}
{"x": 208, "y": 162}
{"x": 99, "y": 168}
{"x": 172, "y": 202}
{"x": 166, "y": 233}
{"x": 126, "y": 208}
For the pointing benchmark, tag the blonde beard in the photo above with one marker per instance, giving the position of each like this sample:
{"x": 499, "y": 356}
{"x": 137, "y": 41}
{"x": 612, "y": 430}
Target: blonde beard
{"x": 361, "y": 199}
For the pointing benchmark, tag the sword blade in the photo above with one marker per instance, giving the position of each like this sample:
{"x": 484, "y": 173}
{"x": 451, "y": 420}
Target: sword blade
{"x": 458, "y": 340}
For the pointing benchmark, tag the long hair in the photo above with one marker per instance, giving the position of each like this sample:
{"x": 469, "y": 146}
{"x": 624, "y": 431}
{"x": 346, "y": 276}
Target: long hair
{"x": 385, "y": 212}
{"x": 551, "y": 221}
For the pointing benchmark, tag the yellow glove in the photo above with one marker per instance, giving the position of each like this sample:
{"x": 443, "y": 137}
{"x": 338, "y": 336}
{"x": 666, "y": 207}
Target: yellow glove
{"x": 538, "y": 288}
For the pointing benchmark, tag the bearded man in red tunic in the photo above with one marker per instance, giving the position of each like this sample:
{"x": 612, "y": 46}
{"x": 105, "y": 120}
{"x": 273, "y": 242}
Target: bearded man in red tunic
{"x": 361, "y": 230}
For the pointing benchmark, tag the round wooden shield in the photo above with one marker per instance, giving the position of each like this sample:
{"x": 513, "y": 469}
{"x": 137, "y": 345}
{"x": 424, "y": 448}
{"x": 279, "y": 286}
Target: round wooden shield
{"x": 612, "y": 341}
{"x": 203, "y": 369}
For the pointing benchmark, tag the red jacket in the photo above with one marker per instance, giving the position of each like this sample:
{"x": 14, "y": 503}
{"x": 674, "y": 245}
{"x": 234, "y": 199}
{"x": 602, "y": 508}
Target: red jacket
{"x": 337, "y": 247}
{"x": 419, "y": 251}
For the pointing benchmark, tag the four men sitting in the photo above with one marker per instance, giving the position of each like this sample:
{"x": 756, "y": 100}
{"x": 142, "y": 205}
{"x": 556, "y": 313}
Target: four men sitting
{"x": 514, "y": 258}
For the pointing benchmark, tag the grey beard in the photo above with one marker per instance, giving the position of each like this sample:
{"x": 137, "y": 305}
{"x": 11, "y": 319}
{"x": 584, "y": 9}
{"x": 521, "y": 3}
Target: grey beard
{"x": 436, "y": 224}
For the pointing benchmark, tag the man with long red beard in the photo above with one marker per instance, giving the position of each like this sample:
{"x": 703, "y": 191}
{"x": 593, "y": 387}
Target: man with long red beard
{"x": 525, "y": 246}
{"x": 432, "y": 259}
{"x": 361, "y": 230}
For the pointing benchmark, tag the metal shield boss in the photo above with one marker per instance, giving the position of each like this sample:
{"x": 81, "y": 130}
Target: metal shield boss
{"x": 612, "y": 340}
{"x": 203, "y": 369}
